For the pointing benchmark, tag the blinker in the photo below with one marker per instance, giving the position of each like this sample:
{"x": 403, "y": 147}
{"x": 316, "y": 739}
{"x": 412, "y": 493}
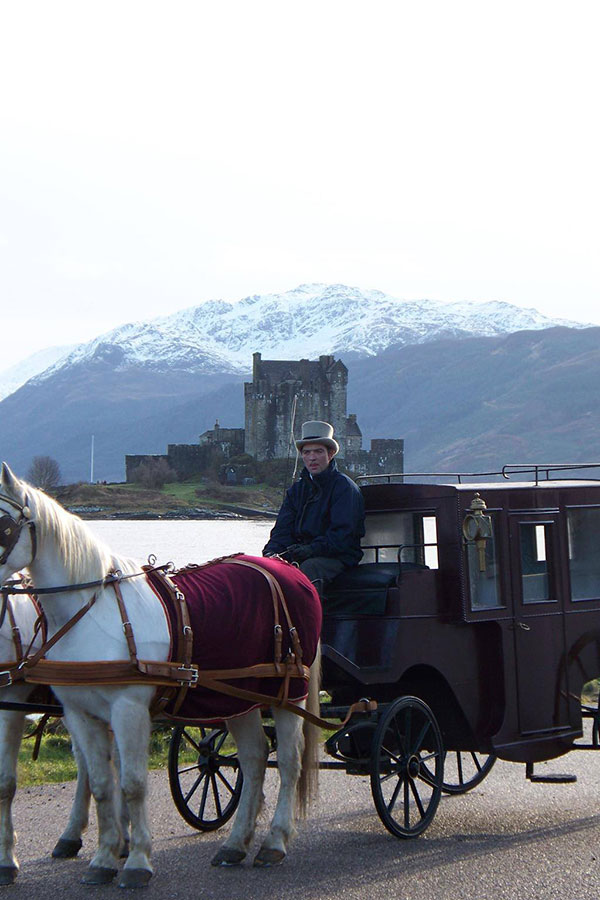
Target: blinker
{"x": 7, "y": 529}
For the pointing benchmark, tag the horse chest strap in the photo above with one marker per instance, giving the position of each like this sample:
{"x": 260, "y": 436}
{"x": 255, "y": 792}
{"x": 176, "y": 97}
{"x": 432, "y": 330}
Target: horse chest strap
{"x": 127, "y": 628}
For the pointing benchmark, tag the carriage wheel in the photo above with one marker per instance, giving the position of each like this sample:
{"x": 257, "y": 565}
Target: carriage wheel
{"x": 465, "y": 769}
{"x": 407, "y": 767}
{"x": 204, "y": 775}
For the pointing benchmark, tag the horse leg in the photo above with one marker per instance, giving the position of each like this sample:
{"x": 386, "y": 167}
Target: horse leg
{"x": 298, "y": 763}
{"x": 11, "y": 732}
{"x": 253, "y": 750}
{"x": 69, "y": 843}
{"x": 123, "y": 810}
{"x": 92, "y": 738}
{"x": 290, "y": 744}
{"x": 131, "y": 726}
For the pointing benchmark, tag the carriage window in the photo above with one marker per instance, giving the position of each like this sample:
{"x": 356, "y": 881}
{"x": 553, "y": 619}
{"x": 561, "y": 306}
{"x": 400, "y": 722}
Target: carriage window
{"x": 430, "y": 542}
{"x": 584, "y": 559}
{"x": 484, "y": 575}
{"x": 535, "y": 550}
{"x": 412, "y": 536}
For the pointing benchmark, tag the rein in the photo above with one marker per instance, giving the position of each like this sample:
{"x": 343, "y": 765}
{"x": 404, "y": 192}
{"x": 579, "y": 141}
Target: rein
{"x": 11, "y": 588}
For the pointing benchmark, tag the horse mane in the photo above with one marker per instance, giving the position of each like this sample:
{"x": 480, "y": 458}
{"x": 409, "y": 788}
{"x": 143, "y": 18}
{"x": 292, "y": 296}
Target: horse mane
{"x": 84, "y": 556}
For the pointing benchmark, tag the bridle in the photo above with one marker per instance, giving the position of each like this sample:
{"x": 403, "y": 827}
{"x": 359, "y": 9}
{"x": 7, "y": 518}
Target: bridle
{"x": 10, "y": 532}
{"x": 12, "y": 526}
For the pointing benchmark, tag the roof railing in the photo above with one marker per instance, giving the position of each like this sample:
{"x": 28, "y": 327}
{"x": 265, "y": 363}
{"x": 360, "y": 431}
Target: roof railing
{"x": 537, "y": 470}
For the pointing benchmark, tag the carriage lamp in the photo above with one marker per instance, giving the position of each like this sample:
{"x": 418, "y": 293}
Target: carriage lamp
{"x": 477, "y": 527}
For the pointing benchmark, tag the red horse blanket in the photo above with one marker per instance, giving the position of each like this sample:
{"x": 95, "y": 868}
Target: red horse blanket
{"x": 232, "y": 618}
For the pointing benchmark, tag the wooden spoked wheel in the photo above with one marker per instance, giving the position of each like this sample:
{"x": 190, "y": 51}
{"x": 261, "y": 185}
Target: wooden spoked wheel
{"x": 465, "y": 769}
{"x": 407, "y": 763}
{"x": 204, "y": 775}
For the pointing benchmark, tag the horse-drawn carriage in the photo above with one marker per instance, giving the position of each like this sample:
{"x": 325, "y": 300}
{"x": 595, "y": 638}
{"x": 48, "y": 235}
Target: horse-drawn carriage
{"x": 470, "y": 626}
{"x": 466, "y": 634}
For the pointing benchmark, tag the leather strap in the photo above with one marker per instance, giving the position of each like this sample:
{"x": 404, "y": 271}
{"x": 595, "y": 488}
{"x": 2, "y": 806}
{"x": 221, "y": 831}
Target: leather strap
{"x": 8, "y": 669}
{"x": 36, "y": 669}
{"x": 16, "y": 634}
{"x": 184, "y": 642}
{"x": 117, "y": 671}
{"x": 278, "y": 598}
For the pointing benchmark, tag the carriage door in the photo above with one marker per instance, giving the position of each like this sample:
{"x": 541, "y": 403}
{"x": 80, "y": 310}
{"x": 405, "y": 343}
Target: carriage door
{"x": 538, "y": 620}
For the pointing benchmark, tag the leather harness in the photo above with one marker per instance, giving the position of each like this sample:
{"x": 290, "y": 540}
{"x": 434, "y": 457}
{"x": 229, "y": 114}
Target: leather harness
{"x": 177, "y": 676}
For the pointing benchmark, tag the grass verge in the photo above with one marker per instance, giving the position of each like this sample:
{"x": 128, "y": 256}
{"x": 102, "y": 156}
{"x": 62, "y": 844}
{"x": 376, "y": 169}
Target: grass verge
{"x": 55, "y": 762}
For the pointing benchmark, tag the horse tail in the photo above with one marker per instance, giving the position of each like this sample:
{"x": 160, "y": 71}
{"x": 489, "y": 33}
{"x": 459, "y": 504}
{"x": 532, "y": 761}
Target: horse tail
{"x": 308, "y": 783}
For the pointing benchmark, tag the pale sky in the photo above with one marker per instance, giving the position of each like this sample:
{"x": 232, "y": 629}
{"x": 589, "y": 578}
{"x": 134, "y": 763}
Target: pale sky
{"x": 157, "y": 155}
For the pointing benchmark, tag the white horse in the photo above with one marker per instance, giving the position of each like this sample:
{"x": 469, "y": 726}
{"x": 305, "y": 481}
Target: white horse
{"x": 58, "y": 549}
{"x": 17, "y": 635}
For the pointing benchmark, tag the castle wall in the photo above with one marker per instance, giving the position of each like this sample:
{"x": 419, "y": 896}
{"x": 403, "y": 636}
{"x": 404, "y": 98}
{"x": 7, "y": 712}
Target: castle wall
{"x": 387, "y": 455}
{"x": 132, "y": 461}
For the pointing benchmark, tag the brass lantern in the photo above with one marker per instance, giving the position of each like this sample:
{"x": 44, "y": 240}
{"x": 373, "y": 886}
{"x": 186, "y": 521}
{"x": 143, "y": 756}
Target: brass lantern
{"x": 477, "y": 527}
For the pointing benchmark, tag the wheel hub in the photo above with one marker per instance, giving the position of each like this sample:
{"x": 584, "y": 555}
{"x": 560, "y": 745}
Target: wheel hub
{"x": 413, "y": 766}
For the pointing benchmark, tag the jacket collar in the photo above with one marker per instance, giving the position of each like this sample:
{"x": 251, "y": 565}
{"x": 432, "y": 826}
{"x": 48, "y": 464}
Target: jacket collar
{"x": 323, "y": 477}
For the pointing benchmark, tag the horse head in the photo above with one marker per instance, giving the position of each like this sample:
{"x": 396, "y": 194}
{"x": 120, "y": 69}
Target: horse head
{"x": 17, "y": 528}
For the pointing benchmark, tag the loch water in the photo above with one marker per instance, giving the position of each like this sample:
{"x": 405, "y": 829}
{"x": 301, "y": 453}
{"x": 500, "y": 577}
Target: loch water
{"x": 182, "y": 541}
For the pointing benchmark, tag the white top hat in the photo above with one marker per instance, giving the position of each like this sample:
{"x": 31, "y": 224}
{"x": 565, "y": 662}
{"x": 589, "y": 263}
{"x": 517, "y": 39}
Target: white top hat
{"x": 318, "y": 433}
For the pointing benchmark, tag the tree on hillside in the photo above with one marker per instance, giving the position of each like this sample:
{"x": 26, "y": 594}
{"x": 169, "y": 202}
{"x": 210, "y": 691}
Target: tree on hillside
{"x": 44, "y": 472}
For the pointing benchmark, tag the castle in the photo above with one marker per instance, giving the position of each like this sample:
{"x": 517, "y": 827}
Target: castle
{"x": 282, "y": 395}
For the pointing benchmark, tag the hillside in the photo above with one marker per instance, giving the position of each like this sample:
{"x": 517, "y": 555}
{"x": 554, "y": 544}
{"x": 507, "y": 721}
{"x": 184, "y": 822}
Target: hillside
{"x": 483, "y": 402}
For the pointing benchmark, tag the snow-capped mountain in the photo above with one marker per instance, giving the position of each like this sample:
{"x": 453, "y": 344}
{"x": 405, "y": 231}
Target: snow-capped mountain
{"x": 502, "y": 383}
{"x": 11, "y": 379}
{"x": 311, "y": 320}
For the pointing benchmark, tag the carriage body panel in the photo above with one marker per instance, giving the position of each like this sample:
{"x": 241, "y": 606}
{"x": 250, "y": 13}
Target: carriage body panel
{"x": 499, "y": 645}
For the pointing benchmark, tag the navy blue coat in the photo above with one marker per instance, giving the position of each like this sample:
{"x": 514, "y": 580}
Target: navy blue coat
{"x": 326, "y": 512}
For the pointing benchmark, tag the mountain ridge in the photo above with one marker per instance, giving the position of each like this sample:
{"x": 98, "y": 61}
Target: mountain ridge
{"x": 146, "y": 385}
{"x": 312, "y": 319}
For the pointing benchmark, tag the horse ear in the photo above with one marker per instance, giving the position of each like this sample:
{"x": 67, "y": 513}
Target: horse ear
{"x": 10, "y": 483}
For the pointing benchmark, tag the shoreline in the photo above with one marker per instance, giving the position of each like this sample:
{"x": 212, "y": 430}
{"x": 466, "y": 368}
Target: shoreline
{"x": 178, "y": 513}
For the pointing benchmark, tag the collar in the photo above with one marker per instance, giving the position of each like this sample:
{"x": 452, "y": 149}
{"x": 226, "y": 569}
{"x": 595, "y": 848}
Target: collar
{"x": 323, "y": 476}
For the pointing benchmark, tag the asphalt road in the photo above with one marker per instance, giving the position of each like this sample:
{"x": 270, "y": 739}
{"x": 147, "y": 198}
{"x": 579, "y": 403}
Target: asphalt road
{"x": 508, "y": 838}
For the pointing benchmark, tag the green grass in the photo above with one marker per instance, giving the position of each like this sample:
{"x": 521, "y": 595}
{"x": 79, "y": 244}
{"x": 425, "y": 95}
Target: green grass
{"x": 55, "y": 762}
{"x": 210, "y": 494}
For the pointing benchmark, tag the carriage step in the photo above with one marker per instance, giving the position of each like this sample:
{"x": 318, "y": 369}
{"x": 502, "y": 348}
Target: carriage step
{"x": 547, "y": 779}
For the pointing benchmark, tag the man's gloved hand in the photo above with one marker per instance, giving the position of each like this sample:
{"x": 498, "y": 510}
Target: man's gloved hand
{"x": 297, "y": 553}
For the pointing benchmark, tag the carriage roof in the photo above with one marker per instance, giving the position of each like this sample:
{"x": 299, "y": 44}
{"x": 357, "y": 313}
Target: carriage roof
{"x": 384, "y": 491}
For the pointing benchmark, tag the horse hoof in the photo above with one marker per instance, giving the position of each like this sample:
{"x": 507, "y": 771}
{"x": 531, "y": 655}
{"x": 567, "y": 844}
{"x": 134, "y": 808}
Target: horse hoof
{"x": 227, "y": 856}
{"x": 124, "y": 850}
{"x": 98, "y": 875}
{"x": 135, "y": 878}
{"x": 267, "y": 857}
{"x": 8, "y": 874}
{"x": 66, "y": 848}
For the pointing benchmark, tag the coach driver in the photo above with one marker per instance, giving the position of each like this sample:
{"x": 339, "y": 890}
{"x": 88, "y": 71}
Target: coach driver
{"x": 321, "y": 520}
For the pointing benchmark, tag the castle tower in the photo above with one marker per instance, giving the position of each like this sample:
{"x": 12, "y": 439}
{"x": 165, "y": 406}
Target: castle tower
{"x": 285, "y": 393}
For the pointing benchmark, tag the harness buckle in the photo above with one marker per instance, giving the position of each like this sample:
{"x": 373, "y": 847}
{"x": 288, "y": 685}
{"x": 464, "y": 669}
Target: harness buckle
{"x": 6, "y": 678}
{"x": 193, "y": 670}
